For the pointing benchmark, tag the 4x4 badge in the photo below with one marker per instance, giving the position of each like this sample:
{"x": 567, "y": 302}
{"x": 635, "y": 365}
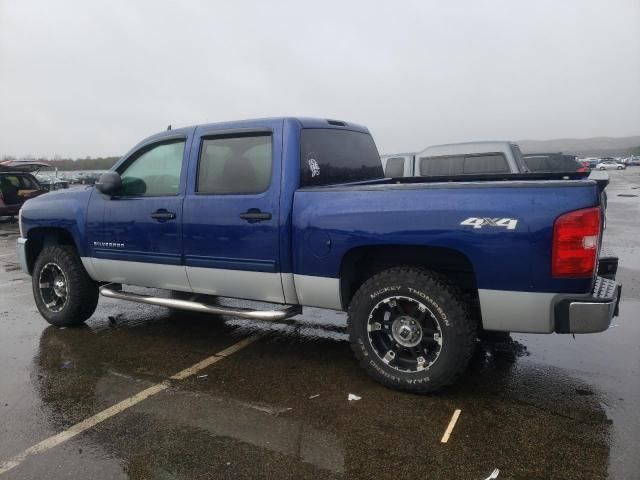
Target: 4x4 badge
{"x": 508, "y": 223}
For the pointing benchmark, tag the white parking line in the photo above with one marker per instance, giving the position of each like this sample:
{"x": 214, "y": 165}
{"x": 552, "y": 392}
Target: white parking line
{"x": 120, "y": 407}
{"x": 452, "y": 423}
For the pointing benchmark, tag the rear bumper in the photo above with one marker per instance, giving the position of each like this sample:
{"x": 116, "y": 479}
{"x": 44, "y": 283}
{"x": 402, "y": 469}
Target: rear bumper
{"x": 541, "y": 312}
{"x": 588, "y": 314}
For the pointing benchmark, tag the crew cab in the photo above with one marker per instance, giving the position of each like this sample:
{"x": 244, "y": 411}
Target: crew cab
{"x": 296, "y": 212}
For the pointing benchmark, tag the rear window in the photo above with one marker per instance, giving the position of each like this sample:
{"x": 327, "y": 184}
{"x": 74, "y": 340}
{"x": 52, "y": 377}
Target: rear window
{"x": 394, "y": 167}
{"x": 464, "y": 164}
{"x": 331, "y": 156}
{"x": 552, "y": 163}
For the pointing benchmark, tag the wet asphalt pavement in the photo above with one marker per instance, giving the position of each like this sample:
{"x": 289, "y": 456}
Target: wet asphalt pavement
{"x": 536, "y": 406}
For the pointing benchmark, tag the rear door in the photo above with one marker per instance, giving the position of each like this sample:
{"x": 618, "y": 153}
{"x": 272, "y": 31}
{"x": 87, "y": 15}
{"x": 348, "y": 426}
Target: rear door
{"x": 231, "y": 212}
{"x": 136, "y": 235}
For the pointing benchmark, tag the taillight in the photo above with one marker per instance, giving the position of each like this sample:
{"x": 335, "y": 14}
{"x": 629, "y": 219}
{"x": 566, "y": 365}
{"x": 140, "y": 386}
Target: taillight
{"x": 583, "y": 169}
{"x": 576, "y": 236}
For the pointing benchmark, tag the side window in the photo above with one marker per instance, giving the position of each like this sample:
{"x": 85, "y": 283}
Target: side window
{"x": 239, "y": 164}
{"x": 394, "y": 167}
{"x": 489, "y": 163}
{"x": 13, "y": 180}
{"x": 441, "y": 166}
{"x": 537, "y": 163}
{"x": 28, "y": 183}
{"x": 154, "y": 172}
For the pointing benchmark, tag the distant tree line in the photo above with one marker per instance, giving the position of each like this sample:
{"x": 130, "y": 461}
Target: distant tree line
{"x": 100, "y": 163}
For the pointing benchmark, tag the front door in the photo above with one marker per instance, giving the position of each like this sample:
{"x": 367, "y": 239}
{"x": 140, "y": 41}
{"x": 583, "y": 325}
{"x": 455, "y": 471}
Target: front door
{"x": 136, "y": 234}
{"x": 230, "y": 217}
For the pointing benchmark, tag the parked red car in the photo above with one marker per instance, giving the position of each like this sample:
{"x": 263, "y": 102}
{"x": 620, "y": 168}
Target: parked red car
{"x": 15, "y": 189}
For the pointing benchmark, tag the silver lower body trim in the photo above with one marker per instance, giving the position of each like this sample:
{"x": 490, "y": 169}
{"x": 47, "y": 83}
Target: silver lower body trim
{"x": 278, "y": 314}
{"x": 261, "y": 286}
{"x": 525, "y": 312}
{"x": 320, "y": 292}
{"x": 153, "y": 275}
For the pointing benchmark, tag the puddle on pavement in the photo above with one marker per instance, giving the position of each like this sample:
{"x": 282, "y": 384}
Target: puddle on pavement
{"x": 253, "y": 413}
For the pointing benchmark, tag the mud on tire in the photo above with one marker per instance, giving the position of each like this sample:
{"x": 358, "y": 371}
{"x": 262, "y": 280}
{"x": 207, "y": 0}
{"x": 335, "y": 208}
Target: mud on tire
{"x": 63, "y": 291}
{"x": 411, "y": 330}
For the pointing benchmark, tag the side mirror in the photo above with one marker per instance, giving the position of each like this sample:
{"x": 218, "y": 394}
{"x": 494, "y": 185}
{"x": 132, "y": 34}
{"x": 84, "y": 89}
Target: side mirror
{"x": 109, "y": 183}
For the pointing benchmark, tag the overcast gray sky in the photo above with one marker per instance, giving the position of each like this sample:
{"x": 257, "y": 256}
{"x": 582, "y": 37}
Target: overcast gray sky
{"x": 94, "y": 77}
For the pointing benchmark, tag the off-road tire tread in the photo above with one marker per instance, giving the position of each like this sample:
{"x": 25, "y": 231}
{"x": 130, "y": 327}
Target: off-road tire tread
{"x": 451, "y": 300}
{"x": 83, "y": 297}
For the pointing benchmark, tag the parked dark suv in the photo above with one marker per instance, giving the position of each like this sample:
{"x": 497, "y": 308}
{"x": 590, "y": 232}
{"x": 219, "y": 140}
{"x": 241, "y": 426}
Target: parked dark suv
{"x": 554, "y": 162}
{"x": 15, "y": 189}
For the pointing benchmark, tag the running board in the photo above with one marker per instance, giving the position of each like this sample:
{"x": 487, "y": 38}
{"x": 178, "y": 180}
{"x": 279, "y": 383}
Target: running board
{"x": 280, "y": 314}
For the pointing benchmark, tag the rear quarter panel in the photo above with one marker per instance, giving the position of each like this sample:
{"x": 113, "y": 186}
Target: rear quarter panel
{"x": 431, "y": 215}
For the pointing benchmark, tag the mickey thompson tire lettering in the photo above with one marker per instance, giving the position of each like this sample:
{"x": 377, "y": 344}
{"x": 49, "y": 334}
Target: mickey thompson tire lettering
{"x": 443, "y": 299}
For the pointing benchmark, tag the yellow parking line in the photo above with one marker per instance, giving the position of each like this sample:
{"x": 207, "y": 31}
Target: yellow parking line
{"x": 452, "y": 423}
{"x": 120, "y": 407}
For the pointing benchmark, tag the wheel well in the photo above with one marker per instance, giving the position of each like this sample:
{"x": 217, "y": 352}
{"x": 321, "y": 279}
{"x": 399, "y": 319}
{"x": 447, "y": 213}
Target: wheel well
{"x": 360, "y": 264}
{"x": 39, "y": 238}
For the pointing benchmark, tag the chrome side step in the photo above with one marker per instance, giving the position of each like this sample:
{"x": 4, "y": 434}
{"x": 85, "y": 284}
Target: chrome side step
{"x": 280, "y": 314}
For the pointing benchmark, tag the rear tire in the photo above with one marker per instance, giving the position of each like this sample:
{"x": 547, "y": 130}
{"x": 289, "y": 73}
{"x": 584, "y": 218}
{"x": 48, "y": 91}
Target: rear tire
{"x": 411, "y": 329}
{"x": 63, "y": 291}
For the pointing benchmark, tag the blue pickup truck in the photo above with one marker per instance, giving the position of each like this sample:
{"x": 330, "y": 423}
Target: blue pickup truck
{"x": 297, "y": 212}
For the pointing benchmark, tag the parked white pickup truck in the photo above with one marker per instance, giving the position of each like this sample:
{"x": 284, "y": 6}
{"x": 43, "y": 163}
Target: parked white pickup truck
{"x": 469, "y": 158}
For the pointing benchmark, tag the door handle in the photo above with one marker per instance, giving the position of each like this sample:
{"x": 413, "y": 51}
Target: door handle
{"x": 254, "y": 215}
{"x": 163, "y": 215}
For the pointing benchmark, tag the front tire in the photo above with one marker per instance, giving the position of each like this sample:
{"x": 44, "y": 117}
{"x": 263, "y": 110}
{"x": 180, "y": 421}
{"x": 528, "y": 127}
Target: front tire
{"x": 63, "y": 291}
{"x": 411, "y": 330}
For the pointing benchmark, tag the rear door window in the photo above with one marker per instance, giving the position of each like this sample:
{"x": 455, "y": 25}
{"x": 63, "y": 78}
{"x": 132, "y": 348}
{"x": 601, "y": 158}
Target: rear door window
{"x": 28, "y": 183}
{"x": 331, "y": 156}
{"x": 238, "y": 164}
{"x": 9, "y": 186}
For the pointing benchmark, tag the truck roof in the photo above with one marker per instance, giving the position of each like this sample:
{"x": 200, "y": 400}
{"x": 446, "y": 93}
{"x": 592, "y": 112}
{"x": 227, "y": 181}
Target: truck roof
{"x": 304, "y": 122}
{"x": 466, "y": 147}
